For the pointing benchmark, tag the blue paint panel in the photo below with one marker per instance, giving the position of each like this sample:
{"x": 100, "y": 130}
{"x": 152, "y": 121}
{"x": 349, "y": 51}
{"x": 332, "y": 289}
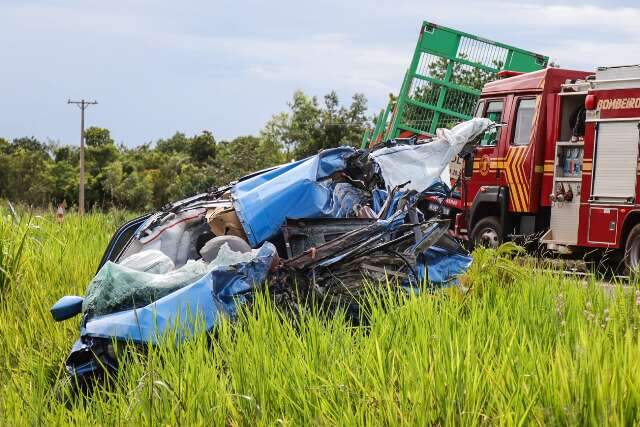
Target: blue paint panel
{"x": 295, "y": 190}
{"x": 214, "y": 295}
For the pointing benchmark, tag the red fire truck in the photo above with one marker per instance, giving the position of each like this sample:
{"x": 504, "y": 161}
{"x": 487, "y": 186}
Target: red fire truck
{"x": 564, "y": 166}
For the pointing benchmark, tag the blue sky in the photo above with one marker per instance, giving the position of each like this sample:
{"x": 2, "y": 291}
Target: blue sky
{"x": 158, "y": 66}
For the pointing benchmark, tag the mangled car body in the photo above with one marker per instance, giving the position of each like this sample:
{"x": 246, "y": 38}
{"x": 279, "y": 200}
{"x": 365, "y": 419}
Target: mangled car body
{"x": 325, "y": 224}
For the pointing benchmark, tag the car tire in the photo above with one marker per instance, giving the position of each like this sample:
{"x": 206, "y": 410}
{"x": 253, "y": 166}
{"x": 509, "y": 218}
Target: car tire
{"x": 487, "y": 233}
{"x": 632, "y": 251}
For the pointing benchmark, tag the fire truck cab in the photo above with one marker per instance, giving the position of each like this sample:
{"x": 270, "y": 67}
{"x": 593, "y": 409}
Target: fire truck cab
{"x": 564, "y": 166}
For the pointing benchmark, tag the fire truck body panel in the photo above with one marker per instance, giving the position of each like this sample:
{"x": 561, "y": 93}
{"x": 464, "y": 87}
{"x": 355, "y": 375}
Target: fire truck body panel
{"x": 609, "y": 202}
{"x": 515, "y": 159}
{"x": 536, "y": 174}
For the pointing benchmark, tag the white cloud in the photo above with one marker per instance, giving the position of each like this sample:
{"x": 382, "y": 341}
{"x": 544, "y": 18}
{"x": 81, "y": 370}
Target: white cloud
{"x": 186, "y": 52}
{"x": 587, "y": 19}
{"x": 583, "y": 35}
{"x": 333, "y": 61}
{"x": 574, "y": 35}
{"x": 327, "y": 59}
{"x": 523, "y": 15}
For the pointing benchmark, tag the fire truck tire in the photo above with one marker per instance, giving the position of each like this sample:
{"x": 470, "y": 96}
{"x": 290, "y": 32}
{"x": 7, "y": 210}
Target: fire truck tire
{"x": 487, "y": 233}
{"x": 632, "y": 251}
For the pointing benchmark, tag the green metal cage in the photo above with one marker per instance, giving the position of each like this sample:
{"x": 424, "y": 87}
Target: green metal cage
{"x": 443, "y": 83}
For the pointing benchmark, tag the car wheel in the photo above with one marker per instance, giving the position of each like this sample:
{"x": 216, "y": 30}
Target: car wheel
{"x": 487, "y": 233}
{"x": 632, "y": 251}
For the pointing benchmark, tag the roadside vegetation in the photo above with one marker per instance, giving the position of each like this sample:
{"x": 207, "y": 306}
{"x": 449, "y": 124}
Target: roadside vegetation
{"x": 142, "y": 175}
{"x": 509, "y": 346}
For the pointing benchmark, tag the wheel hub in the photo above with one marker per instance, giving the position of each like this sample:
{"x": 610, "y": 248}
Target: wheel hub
{"x": 489, "y": 238}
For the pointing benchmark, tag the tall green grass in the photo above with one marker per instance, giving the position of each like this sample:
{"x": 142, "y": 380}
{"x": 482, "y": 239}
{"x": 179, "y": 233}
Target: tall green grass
{"x": 13, "y": 236}
{"x": 518, "y": 347}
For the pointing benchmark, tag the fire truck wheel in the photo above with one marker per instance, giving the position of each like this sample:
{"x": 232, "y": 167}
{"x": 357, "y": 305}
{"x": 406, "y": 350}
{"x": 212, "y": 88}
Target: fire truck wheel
{"x": 487, "y": 233}
{"x": 632, "y": 251}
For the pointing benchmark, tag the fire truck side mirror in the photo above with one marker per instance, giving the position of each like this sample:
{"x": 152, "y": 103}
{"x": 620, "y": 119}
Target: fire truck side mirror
{"x": 468, "y": 165}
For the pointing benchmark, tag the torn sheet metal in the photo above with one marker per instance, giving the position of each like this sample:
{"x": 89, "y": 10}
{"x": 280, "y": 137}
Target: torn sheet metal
{"x": 335, "y": 249}
{"x": 385, "y": 203}
{"x": 422, "y": 165}
{"x": 294, "y": 190}
{"x": 342, "y": 271}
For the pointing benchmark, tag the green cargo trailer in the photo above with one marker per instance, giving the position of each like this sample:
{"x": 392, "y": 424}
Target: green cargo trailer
{"x": 443, "y": 83}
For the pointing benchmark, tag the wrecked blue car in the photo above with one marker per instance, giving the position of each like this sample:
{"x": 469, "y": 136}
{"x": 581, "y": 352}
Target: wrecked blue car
{"x": 320, "y": 226}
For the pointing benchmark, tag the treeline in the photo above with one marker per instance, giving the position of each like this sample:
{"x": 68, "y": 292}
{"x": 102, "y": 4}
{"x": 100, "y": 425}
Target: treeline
{"x": 149, "y": 175}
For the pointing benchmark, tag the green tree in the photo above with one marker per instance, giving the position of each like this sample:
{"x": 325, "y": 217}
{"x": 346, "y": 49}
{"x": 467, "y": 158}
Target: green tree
{"x": 244, "y": 155}
{"x": 134, "y": 192}
{"x": 304, "y": 126}
{"x": 150, "y": 175}
{"x": 96, "y": 137}
{"x": 178, "y": 143}
{"x": 28, "y": 144}
{"x": 5, "y": 146}
{"x": 26, "y": 172}
{"x": 67, "y": 154}
{"x": 5, "y": 165}
{"x": 100, "y": 152}
{"x": 202, "y": 148}
{"x": 276, "y": 143}
{"x": 191, "y": 179}
{"x": 63, "y": 178}
{"x": 313, "y": 127}
{"x": 113, "y": 177}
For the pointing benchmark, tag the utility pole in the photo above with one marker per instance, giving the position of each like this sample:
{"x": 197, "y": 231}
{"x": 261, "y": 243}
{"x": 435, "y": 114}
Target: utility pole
{"x": 82, "y": 104}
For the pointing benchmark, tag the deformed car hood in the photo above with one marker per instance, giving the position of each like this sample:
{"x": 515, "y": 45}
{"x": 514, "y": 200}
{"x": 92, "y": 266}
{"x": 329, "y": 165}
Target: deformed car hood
{"x": 213, "y": 295}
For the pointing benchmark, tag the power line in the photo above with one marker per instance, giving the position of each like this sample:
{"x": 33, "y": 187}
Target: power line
{"x": 83, "y": 105}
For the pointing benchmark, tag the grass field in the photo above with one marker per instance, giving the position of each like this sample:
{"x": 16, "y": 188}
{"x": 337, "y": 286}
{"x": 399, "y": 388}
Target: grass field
{"x": 518, "y": 348}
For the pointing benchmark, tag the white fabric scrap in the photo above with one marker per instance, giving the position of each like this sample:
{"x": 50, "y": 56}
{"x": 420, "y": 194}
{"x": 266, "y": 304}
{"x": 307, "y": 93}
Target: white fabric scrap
{"x": 424, "y": 164}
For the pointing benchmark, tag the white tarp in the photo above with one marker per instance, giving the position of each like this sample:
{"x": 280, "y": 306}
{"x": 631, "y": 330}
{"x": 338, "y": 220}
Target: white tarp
{"x": 423, "y": 164}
